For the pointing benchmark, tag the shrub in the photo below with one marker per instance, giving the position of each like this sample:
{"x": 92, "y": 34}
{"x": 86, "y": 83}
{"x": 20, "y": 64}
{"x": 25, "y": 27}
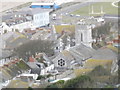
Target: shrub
{"x": 40, "y": 77}
{"x": 76, "y": 82}
{"x": 29, "y": 88}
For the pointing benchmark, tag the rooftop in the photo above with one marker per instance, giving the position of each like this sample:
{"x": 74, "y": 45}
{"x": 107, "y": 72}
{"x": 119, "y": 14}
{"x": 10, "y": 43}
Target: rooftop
{"x": 105, "y": 54}
{"x": 22, "y": 16}
{"x": 42, "y": 4}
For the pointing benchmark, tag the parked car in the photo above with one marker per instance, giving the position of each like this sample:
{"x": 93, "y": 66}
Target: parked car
{"x": 77, "y": 15}
{"x": 71, "y": 15}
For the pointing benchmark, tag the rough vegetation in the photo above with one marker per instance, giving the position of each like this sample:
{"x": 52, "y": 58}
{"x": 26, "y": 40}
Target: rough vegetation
{"x": 98, "y": 77}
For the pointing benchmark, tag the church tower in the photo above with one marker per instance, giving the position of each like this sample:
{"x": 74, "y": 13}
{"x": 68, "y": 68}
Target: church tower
{"x": 83, "y": 34}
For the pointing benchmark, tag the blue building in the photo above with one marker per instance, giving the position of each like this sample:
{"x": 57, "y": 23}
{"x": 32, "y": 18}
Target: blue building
{"x": 45, "y": 5}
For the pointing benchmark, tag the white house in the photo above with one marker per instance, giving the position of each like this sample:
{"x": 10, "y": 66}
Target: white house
{"x": 45, "y": 70}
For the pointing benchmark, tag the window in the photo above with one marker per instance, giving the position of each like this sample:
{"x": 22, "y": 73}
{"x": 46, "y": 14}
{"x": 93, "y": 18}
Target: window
{"x": 51, "y": 6}
{"x": 81, "y": 37}
{"x": 61, "y": 62}
{"x": 5, "y": 31}
{"x": 56, "y": 48}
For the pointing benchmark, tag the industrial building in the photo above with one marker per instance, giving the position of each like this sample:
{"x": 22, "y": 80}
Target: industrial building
{"x": 45, "y": 5}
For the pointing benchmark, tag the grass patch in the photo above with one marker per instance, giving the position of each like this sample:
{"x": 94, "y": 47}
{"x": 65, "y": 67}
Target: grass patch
{"x": 17, "y": 84}
{"x": 22, "y": 65}
{"x": 107, "y": 8}
{"x": 68, "y": 4}
{"x": 91, "y": 63}
{"x": 68, "y": 28}
{"x": 112, "y": 48}
{"x": 82, "y": 71}
{"x": 23, "y": 5}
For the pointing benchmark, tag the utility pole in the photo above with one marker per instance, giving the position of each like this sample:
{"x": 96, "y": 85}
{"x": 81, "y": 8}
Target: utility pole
{"x": 92, "y": 10}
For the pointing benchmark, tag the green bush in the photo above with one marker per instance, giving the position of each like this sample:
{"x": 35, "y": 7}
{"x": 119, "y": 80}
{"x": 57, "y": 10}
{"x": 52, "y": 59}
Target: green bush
{"x": 40, "y": 77}
{"x": 60, "y": 82}
{"x": 76, "y": 82}
{"x": 51, "y": 86}
{"x": 29, "y": 88}
{"x": 109, "y": 86}
{"x": 49, "y": 75}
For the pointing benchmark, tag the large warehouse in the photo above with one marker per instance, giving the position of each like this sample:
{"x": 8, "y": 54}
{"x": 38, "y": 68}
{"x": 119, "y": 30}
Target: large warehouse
{"x": 45, "y": 5}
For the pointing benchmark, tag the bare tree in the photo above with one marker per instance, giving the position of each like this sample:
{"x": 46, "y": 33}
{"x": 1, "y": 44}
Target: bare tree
{"x": 34, "y": 46}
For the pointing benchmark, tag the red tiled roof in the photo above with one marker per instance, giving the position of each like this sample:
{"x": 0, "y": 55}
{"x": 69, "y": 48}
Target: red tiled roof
{"x": 118, "y": 36}
{"x": 31, "y": 59}
{"x": 6, "y": 65}
{"x": 30, "y": 31}
{"x": 116, "y": 41}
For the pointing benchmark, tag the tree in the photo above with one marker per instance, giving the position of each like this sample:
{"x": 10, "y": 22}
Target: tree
{"x": 34, "y": 46}
{"x": 101, "y": 30}
{"x": 60, "y": 83}
{"x": 40, "y": 77}
{"x": 29, "y": 88}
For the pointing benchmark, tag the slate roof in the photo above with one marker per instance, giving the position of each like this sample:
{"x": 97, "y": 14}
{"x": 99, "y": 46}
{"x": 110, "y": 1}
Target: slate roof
{"x": 16, "y": 43}
{"x": 41, "y": 34}
{"x": 77, "y": 53}
{"x": 34, "y": 11}
{"x": 36, "y": 71}
{"x": 12, "y": 39}
{"x": 82, "y": 50}
{"x": 36, "y": 67}
{"x": 32, "y": 64}
{"x": 104, "y": 54}
{"x": 5, "y": 53}
{"x": 13, "y": 70}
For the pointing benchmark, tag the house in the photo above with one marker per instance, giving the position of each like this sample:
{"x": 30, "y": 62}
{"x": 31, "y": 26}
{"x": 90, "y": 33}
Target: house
{"x": 40, "y": 64}
{"x": 33, "y": 64}
{"x": 30, "y": 18}
{"x": 46, "y": 66}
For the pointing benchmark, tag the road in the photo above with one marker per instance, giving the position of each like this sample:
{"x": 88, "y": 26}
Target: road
{"x": 67, "y": 10}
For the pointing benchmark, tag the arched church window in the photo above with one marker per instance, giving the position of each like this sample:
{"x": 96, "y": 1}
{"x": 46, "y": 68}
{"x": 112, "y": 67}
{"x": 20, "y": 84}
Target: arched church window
{"x": 56, "y": 48}
{"x": 81, "y": 37}
{"x": 61, "y": 62}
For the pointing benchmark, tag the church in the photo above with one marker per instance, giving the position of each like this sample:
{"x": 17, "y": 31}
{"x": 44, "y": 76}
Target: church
{"x": 71, "y": 57}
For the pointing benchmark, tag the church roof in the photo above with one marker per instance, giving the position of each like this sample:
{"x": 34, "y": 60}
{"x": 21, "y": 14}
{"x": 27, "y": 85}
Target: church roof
{"x": 104, "y": 54}
{"x": 66, "y": 53}
{"x": 83, "y": 51}
{"x": 78, "y": 53}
